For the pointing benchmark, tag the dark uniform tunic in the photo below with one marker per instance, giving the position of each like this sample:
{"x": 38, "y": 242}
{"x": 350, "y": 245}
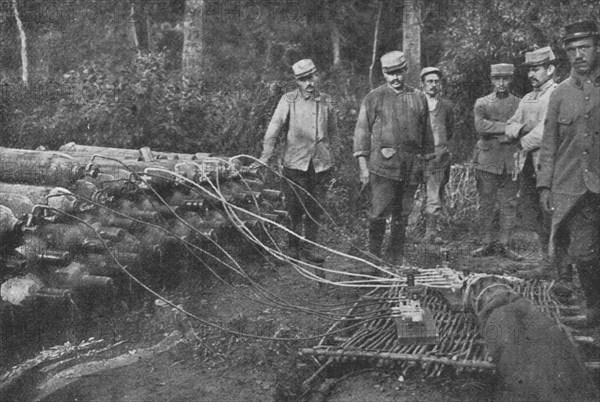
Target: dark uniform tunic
{"x": 392, "y": 129}
{"x": 570, "y": 168}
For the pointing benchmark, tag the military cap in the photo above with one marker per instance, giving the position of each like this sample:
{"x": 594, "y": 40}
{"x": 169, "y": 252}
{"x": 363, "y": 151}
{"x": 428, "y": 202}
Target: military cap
{"x": 539, "y": 57}
{"x": 429, "y": 70}
{"x": 392, "y": 61}
{"x": 304, "y": 68}
{"x": 580, "y": 30}
{"x": 502, "y": 70}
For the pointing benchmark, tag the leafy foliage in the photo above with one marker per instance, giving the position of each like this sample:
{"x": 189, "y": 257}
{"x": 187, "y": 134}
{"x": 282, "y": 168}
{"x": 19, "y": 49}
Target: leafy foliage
{"x": 143, "y": 104}
{"x": 91, "y": 86}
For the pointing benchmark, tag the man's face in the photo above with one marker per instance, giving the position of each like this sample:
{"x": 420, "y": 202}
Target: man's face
{"x": 308, "y": 83}
{"x": 501, "y": 83}
{"x": 396, "y": 78}
{"x": 431, "y": 84}
{"x": 539, "y": 75}
{"x": 583, "y": 54}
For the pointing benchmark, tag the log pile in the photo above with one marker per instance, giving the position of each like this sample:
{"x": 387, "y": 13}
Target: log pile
{"x": 83, "y": 217}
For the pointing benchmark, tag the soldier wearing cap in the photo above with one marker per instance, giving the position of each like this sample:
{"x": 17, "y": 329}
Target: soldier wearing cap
{"x": 527, "y": 126}
{"x": 569, "y": 174}
{"x": 390, "y": 139}
{"x": 494, "y": 162}
{"x": 441, "y": 122}
{"x": 307, "y": 157}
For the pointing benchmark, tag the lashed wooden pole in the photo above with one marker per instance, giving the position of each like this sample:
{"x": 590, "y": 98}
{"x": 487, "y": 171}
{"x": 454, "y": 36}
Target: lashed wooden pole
{"x": 474, "y": 364}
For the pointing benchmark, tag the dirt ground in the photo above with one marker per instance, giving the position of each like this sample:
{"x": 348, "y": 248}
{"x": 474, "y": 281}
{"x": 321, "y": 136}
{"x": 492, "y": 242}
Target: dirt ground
{"x": 210, "y": 364}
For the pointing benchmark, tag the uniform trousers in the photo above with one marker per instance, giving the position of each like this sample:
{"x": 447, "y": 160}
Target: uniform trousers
{"x": 389, "y": 197}
{"x": 497, "y": 190}
{"x": 305, "y": 198}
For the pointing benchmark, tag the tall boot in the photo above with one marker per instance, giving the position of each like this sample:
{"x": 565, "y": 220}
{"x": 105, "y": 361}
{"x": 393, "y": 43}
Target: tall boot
{"x": 294, "y": 241}
{"x": 310, "y": 251}
{"x": 589, "y": 276}
{"x": 430, "y": 227}
{"x": 565, "y": 269}
{"x": 504, "y": 250}
{"x": 376, "y": 234}
{"x": 397, "y": 240}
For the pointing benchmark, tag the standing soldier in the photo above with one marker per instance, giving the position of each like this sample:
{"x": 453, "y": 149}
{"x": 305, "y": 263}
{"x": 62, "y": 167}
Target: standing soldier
{"x": 494, "y": 163}
{"x": 569, "y": 178}
{"x": 389, "y": 140}
{"x": 441, "y": 121}
{"x": 308, "y": 160}
{"x": 527, "y": 126}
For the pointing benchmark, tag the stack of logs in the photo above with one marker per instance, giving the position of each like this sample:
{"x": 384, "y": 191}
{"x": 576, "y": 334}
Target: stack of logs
{"x": 79, "y": 217}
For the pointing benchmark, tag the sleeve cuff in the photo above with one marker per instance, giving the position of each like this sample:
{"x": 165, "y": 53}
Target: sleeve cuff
{"x": 512, "y": 130}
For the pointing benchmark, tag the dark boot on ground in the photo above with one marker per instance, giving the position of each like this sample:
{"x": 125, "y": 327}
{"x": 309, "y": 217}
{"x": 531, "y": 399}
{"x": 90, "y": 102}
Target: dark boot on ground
{"x": 505, "y": 251}
{"x": 309, "y": 251}
{"x": 565, "y": 269}
{"x": 312, "y": 254}
{"x": 293, "y": 249}
{"x": 590, "y": 283}
{"x": 376, "y": 234}
{"x": 431, "y": 230}
{"x": 395, "y": 250}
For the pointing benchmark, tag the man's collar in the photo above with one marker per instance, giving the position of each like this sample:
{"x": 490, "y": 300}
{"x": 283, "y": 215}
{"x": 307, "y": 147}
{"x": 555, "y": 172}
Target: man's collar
{"x": 545, "y": 86}
{"x": 578, "y": 79}
{"x": 307, "y": 95}
{"x": 396, "y": 91}
{"x": 436, "y": 97}
{"x": 502, "y": 95}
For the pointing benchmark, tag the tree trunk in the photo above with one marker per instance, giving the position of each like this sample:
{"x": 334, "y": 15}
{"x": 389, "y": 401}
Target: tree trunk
{"x": 139, "y": 20}
{"x": 411, "y": 41}
{"x": 375, "y": 35}
{"x": 336, "y": 39}
{"x": 24, "y": 60}
{"x": 193, "y": 44}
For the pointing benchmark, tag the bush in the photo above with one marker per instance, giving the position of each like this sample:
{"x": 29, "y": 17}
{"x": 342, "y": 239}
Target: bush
{"x": 142, "y": 104}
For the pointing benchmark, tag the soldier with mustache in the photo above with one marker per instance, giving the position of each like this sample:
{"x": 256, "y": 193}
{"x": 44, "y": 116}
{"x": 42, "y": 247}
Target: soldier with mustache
{"x": 311, "y": 122}
{"x": 526, "y": 126}
{"x": 390, "y": 140}
{"x": 569, "y": 174}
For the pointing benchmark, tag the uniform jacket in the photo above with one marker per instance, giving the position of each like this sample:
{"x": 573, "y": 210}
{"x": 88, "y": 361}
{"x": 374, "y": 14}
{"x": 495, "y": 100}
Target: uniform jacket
{"x": 312, "y": 126}
{"x": 392, "y": 129}
{"x": 531, "y": 114}
{"x": 494, "y": 152}
{"x": 570, "y": 151}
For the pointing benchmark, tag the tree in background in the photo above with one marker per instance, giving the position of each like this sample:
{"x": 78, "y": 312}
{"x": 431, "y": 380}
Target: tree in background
{"x": 139, "y": 22}
{"x": 23, "y": 36}
{"x": 242, "y": 51}
{"x": 411, "y": 39}
{"x": 193, "y": 40}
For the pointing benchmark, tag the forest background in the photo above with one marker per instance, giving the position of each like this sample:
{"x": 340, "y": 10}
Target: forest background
{"x": 206, "y": 75}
